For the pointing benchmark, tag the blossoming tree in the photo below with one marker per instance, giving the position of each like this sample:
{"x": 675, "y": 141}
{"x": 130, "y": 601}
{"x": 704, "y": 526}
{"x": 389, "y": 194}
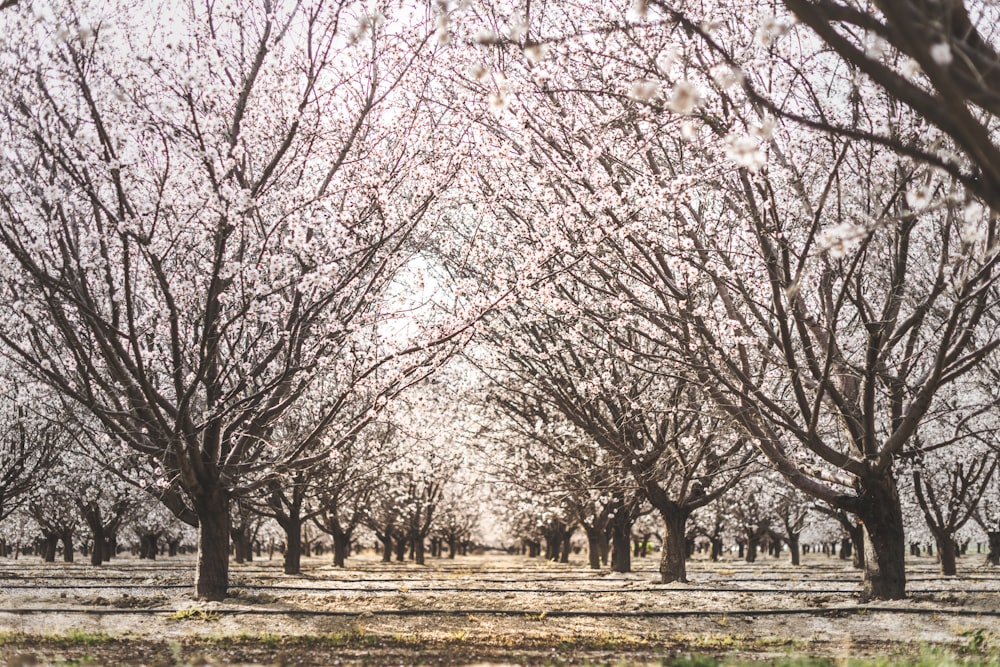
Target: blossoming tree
{"x": 203, "y": 210}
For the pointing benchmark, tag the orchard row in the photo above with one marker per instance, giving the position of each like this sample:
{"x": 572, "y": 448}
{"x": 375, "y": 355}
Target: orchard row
{"x": 539, "y": 266}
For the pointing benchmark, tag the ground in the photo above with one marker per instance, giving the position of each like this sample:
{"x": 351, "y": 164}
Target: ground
{"x": 489, "y": 609}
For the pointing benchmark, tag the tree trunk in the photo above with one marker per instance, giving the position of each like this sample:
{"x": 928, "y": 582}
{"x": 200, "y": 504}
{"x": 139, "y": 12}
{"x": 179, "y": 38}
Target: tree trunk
{"x": 240, "y": 546}
{"x": 858, "y": 555}
{"x": 386, "y": 546}
{"x": 452, "y": 547}
{"x": 151, "y": 541}
{"x": 49, "y": 548}
{"x": 673, "y": 562}
{"x": 621, "y": 543}
{"x": 418, "y": 549}
{"x": 716, "y": 548}
{"x": 593, "y": 547}
{"x": 67, "y": 542}
{"x": 993, "y": 556}
{"x": 565, "y": 546}
{"x": 846, "y": 548}
{"x": 947, "y": 553}
{"x": 752, "y": 541}
{"x": 341, "y": 543}
{"x": 97, "y": 553}
{"x": 293, "y": 545}
{"x": 793, "y": 547}
{"x": 884, "y": 541}
{"x": 212, "y": 569}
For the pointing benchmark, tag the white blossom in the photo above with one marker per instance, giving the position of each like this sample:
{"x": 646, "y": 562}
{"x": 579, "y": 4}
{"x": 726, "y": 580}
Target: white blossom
{"x": 666, "y": 60}
{"x": 910, "y": 68}
{"x": 764, "y": 130}
{"x": 536, "y": 53}
{"x": 726, "y": 77}
{"x": 841, "y": 240}
{"x": 769, "y": 30}
{"x": 745, "y": 152}
{"x": 685, "y": 98}
{"x": 941, "y": 54}
{"x": 487, "y": 37}
{"x": 919, "y": 198}
{"x": 875, "y": 47}
{"x": 644, "y": 90}
{"x": 499, "y": 101}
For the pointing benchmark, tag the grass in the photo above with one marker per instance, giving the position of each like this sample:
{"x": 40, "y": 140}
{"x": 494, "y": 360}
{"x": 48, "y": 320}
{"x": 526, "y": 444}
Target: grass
{"x": 78, "y": 647}
{"x": 69, "y": 638}
{"x": 194, "y": 615}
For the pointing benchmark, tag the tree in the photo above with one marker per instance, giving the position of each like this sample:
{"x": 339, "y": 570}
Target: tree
{"x": 952, "y": 463}
{"x": 105, "y": 503}
{"x": 922, "y": 62}
{"x": 203, "y": 212}
{"x": 29, "y": 443}
{"x": 572, "y": 359}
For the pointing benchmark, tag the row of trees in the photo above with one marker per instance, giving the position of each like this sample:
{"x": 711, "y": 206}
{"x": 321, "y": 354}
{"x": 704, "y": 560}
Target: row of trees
{"x": 678, "y": 244}
{"x": 550, "y": 515}
{"x": 392, "y": 485}
{"x": 781, "y": 237}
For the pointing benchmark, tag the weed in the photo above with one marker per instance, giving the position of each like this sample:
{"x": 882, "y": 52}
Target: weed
{"x": 976, "y": 640}
{"x": 74, "y": 638}
{"x": 82, "y": 660}
{"x": 194, "y": 615}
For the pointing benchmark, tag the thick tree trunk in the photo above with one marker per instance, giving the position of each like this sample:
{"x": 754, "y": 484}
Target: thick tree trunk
{"x": 97, "y": 553}
{"x": 400, "y": 549}
{"x": 565, "y": 546}
{"x": 793, "y": 548}
{"x": 993, "y": 556}
{"x": 293, "y": 545}
{"x": 212, "y": 569}
{"x": 716, "y": 548}
{"x": 947, "y": 553}
{"x": 386, "y": 546}
{"x": 846, "y": 548}
{"x": 673, "y": 562}
{"x": 67, "y": 542}
{"x": 241, "y": 548}
{"x": 593, "y": 547}
{"x": 551, "y": 546}
{"x": 884, "y": 541}
{"x": 246, "y": 546}
{"x": 534, "y": 549}
{"x": 149, "y": 545}
{"x": 49, "y": 548}
{"x": 621, "y": 543}
{"x": 858, "y": 555}
{"x": 752, "y": 542}
{"x": 452, "y": 547}
{"x": 341, "y": 544}
{"x": 418, "y": 549}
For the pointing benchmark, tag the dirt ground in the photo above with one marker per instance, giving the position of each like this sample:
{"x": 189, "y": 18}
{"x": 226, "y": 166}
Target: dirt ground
{"x": 494, "y": 609}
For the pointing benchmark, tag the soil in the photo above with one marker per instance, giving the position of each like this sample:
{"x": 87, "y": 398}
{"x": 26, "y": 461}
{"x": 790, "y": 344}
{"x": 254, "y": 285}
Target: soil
{"x": 495, "y": 609}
